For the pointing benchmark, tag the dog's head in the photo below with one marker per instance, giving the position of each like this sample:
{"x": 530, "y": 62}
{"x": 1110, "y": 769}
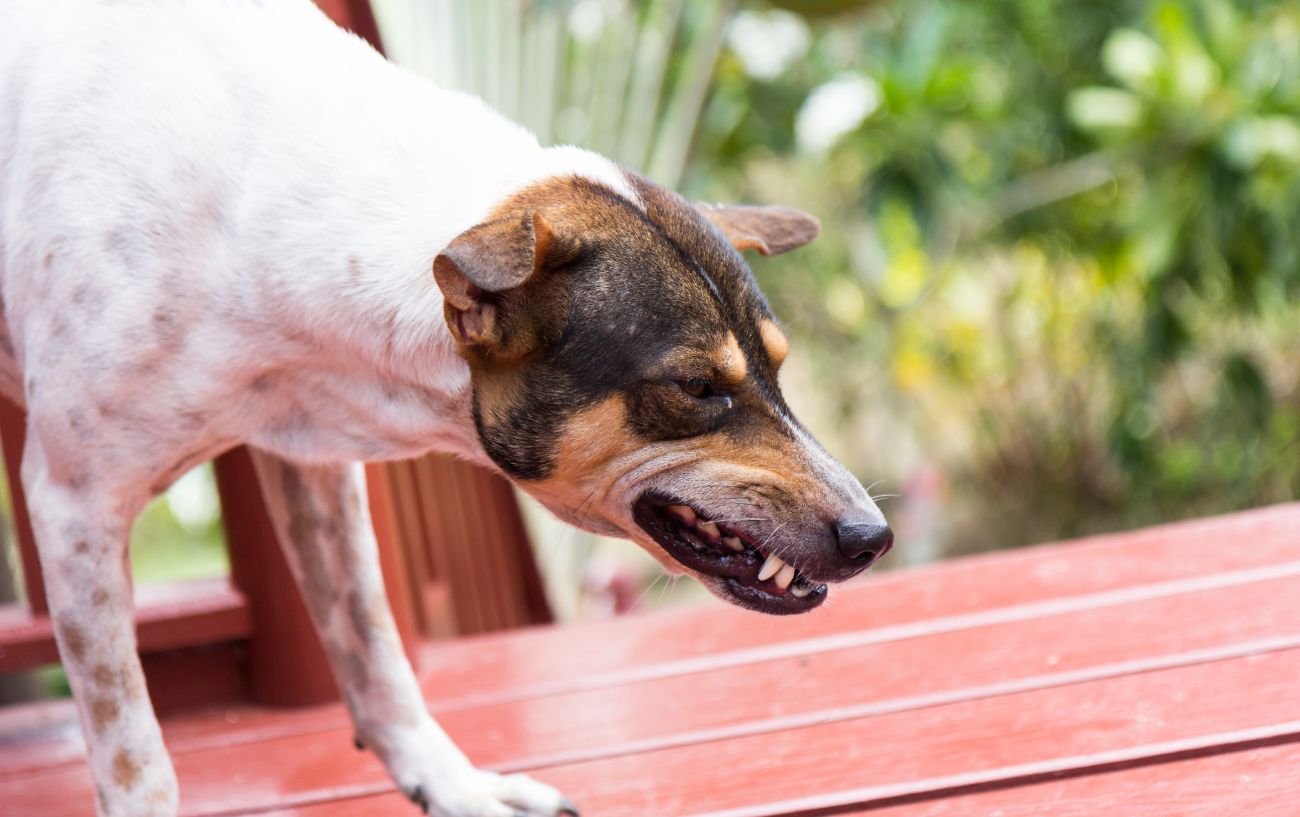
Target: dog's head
{"x": 624, "y": 368}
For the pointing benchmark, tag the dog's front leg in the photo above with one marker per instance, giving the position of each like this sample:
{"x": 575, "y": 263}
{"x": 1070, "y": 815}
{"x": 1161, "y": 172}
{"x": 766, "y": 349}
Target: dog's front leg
{"x": 320, "y": 515}
{"x": 81, "y": 522}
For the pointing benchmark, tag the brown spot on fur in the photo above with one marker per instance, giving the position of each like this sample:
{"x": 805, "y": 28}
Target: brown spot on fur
{"x": 320, "y": 591}
{"x": 774, "y": 341}
{"x": 73, "y": 639}
{"x": 81, "y": 548}
{"x": 354, "y": 266}
{"x": 100, "y": 597}
{"x": 102, "y": 711}
{"x": 120, "y": 682}
{"x": 359, "y": 615}
{"x": 305, "y": 527}
{"x": 58, "y": 327}
{"x": 126, "y": 772}
{"x": 357, "y": 672}
{"x": 165, "y": 325}
{"x": 77, "y": 422}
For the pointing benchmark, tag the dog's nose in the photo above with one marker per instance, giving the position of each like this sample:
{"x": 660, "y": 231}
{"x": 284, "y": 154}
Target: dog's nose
{"x": 863, "y": 537}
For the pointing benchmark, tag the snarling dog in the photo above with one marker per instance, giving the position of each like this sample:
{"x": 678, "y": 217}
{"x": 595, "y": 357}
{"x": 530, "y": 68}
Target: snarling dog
{"x": 232, "y": 223}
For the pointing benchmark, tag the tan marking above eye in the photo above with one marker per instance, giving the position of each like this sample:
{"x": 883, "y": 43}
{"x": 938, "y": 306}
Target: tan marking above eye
{"x": 774, "y": 341}
{"x": 730, "y": 360}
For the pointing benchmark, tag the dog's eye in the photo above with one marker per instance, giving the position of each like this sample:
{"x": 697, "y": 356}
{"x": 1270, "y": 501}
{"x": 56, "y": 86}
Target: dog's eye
{"x": 697, "y": 387}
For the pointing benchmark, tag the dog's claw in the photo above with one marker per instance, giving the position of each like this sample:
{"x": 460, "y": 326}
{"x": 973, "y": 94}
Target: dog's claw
{"x": 568, "y": 808}
{"x": 417, "y": 796}
{"x": 356, "y": 741}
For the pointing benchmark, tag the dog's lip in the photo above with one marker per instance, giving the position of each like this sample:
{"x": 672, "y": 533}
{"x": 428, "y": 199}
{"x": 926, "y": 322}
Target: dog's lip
{"x": 687, "y": 534}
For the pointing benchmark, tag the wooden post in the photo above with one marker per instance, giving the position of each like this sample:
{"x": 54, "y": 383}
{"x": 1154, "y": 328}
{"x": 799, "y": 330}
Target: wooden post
{"x": 398, "y": 581}
{"x": 13, "y": 430}
{"x": 286, "y": 663}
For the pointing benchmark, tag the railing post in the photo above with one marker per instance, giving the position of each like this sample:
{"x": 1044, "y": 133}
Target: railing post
{"x": 286, "y": 663}
{"x": 13, "y": 430}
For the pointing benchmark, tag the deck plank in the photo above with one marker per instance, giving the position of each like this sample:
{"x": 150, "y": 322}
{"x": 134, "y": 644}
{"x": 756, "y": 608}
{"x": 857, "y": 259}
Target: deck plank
{"x": 1258, "y": 781}
{"x": 1142, "y": 717}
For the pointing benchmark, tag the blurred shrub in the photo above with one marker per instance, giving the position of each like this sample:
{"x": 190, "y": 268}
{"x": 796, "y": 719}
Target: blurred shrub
{"x": 1060, "y": 258}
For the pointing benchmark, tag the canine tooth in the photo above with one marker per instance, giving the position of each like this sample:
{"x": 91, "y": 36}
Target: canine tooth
{"x": 770, "y": 568}
{"x": 683, "y": 512}
{"x": 801, "y": 590}
{"x": 708, "y": 529}
{"x": 734, "y": 543}
{"x": 784, "y": 577}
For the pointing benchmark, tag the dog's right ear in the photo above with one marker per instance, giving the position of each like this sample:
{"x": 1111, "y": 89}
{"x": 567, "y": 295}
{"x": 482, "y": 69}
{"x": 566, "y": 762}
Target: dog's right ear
{"x": 481, "y": 265}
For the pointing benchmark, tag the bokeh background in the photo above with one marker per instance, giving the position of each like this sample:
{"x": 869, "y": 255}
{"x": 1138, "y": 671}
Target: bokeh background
{"x": 1058, "y": 286}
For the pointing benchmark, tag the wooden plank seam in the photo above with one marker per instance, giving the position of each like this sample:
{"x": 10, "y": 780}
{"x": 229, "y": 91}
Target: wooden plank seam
{"x": 933, "y": 788}
{"x": 894, "y": 632}
{"x": 895, "y": 705}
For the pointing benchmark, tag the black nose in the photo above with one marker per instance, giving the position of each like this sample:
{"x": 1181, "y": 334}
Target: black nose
{"x": 863, "y": 538}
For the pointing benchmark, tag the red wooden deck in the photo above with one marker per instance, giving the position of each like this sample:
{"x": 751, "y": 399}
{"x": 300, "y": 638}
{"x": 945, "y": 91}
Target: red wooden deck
{"x": 1146, "y": 673}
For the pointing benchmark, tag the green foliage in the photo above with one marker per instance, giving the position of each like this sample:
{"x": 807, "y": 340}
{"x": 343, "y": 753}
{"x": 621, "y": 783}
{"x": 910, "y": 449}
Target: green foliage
{"x": 1061, "y": 233}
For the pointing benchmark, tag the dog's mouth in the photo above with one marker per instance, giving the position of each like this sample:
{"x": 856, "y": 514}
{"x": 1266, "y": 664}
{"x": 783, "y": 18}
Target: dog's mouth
{"x": 722, "y": 551}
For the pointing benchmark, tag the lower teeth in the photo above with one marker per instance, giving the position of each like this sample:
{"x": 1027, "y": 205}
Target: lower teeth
{"x": 798, "y": 587}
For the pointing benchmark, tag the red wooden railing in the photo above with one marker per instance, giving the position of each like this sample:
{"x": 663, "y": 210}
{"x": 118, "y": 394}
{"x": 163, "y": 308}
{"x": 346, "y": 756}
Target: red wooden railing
{"x": 452, "y": 545}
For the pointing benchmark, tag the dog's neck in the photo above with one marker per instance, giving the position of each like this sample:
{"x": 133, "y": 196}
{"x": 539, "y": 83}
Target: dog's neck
{"x": 356, "y": 279}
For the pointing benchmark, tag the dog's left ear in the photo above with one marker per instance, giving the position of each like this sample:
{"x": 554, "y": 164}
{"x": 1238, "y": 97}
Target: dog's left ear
{"x": 770, "y": 230}
{"x": 483, "y": 264}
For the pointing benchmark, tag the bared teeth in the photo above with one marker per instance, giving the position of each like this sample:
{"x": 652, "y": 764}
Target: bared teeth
{"x": 683, "y": 512}
{"x": 801, "y": 590}
{"x": 708, "y": 529}
{"x": 784, "y": 577}
{"x": 770, "y": 568}
{"x": 734, "y": 543}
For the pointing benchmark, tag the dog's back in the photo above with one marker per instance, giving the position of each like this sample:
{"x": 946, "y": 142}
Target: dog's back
{"x": 177, "y": 236}
{"x": 103, "y": 191}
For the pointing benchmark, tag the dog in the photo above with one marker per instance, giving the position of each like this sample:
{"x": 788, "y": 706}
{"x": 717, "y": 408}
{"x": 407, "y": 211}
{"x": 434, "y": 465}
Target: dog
{"x": 233, "y": 223}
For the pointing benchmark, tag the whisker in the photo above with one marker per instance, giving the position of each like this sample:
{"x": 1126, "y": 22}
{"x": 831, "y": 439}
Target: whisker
{"x": 648, "y": 588}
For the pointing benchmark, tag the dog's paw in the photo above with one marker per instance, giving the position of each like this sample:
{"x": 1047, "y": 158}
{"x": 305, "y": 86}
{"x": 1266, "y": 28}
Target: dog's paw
{"x": 492, "y": 795}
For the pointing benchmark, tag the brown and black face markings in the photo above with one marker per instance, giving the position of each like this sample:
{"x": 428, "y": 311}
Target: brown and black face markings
{"x": 624, "y": 367}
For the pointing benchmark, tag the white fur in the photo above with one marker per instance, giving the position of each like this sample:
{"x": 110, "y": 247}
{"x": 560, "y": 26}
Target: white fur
{"x": 301, "y": 182}
{"x": 217, "y": 226}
